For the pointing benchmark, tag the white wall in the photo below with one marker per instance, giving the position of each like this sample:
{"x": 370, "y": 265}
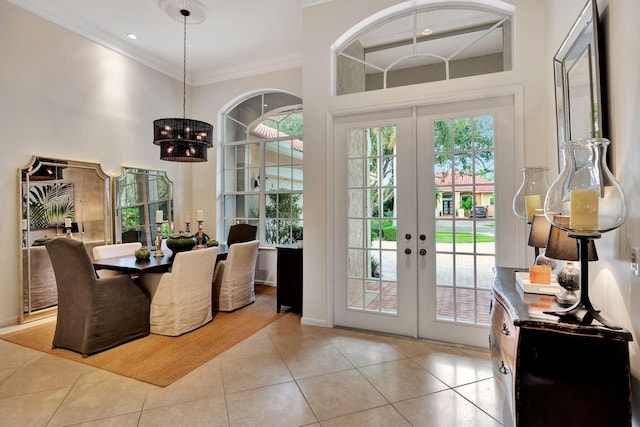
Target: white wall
{"x": 612, "y": 286}
{"x": 66, "y": 97}
{"x": 323, "y": 24}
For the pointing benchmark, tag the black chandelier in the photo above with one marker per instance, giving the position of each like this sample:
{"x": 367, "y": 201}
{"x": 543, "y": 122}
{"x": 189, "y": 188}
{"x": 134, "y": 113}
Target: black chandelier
{"x": 182, "y": 139}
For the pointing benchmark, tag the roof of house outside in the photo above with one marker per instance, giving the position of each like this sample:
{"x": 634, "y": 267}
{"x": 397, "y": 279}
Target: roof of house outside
{"x": 464, "y": 182}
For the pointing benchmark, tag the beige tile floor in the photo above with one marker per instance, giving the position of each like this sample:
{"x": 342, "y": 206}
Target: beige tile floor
{"x": 287, "y": 374}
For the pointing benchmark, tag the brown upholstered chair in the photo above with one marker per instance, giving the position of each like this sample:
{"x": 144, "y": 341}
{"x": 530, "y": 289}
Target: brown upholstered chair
{"x": 93, "y": 314}
{"x": 239, "y": 233}
{"x": 233, "y": 278}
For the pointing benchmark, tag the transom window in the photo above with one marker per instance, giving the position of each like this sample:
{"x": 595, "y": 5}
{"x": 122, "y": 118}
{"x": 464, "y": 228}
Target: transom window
{"x": 425, "y": 44}
{"x": 262, "y": 160}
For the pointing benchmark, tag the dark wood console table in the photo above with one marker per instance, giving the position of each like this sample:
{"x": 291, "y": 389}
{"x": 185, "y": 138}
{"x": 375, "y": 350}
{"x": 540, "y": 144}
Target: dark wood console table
{"x": 289, "y": 291}
{"x": 556, "y": 373}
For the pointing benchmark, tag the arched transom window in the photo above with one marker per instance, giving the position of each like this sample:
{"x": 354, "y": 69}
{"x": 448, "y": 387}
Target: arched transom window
{"x": 439, "y": 41}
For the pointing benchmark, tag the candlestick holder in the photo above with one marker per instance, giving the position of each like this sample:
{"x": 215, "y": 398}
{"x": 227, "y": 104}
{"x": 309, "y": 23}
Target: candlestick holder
{"x": 69, "y": 234}
{"x": 200, "y": 236}
{"x": 159, "y": 252}
{"x": 187, "y": 227}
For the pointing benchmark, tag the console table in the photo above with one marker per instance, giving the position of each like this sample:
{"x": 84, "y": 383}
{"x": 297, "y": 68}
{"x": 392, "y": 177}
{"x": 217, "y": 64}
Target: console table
{"x": 555, "y": 372}
{"x": 289, "y": 276}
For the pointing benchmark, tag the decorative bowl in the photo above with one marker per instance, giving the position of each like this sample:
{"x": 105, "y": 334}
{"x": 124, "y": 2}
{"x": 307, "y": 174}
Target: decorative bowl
{"x": 142, "y": 253}
{"x": 181, "y": 241}
{"x": 212, "y": 242}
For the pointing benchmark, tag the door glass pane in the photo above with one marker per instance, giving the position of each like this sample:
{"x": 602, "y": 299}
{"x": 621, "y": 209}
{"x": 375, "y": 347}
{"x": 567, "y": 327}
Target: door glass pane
{"x": 464, "y": 172}
{"x": 371, "y": 223}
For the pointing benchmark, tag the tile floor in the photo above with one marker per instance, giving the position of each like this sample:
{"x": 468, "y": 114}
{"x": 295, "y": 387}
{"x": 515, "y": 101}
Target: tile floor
{"x": 287, "y": 374}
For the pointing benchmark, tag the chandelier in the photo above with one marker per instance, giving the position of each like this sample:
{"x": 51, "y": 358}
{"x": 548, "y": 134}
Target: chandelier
{"x": 182, "y": 139}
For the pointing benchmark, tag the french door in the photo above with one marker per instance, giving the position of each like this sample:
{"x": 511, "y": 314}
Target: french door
{"x": 415, "y": 217}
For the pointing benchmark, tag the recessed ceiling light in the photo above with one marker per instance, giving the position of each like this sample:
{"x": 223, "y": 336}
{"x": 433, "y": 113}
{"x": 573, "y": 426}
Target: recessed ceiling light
{"x": 132, "y": 36}
{"x": 427, "y": 31}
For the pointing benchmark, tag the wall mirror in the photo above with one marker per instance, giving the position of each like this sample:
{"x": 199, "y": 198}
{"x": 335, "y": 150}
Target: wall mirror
{"x": 579, "y": 109}
{"x": 139, "y": 193}
{"x": 58, "y": 199}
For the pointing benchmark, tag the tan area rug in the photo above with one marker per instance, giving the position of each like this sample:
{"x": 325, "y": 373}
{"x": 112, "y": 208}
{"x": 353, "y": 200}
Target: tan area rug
{"x": 161, "y": 360}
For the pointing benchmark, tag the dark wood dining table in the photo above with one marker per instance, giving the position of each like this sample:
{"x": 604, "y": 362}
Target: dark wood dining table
{"x": 130, "y": 265}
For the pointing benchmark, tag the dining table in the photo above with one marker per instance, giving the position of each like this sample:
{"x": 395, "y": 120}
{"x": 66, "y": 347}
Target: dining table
{"x": 130, "y": 265}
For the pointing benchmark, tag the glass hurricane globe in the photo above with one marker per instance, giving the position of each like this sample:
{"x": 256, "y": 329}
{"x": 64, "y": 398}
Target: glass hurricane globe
{"x": 586, "y": 190}
{"x": 530, "y": 195}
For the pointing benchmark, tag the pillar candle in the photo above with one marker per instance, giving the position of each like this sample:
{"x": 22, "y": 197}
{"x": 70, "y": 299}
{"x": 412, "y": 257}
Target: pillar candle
{"x": 532, "y": 203}
{"x": 159, "y": 215}
{"x": 67, "y": 222}
{"x": 584, "y": 209}
{"x": 187, "y": 217}
{"x": 200, "y": 215}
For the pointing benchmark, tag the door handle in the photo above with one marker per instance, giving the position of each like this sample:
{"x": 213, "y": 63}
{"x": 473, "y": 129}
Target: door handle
{"x": 423, "y": 237}
{"x": 407, "y": 251}
{"x": 423, "y": 252}
{"x": 407, "y": 236}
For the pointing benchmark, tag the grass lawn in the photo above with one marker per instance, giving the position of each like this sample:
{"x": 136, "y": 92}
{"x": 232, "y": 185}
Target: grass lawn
{"x": 462, "y": 237}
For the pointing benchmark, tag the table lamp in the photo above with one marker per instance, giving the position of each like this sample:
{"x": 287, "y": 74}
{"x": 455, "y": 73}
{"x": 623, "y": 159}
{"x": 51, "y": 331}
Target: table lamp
{"x": 590, "y": 195}
{"x": 560, "y": 246}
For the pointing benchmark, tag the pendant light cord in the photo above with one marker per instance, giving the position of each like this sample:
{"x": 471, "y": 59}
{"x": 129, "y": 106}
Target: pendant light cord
{"x": 184, "y": 13}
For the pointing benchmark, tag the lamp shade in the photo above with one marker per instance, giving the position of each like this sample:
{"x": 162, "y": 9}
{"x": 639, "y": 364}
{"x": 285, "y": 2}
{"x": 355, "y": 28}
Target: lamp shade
{"x": 183, "y": 151}
{"x": 561, "y": 246}
{"x": 540, "y": 227}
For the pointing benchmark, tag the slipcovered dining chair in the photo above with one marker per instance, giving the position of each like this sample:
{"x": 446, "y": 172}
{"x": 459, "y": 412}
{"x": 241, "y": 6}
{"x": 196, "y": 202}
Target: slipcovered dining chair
{"x": 111, "y": 251}
{"x": 239, "y": 233}
{"x": 233, "y": 279}
{"x": 93, "y": 314}
{"x": 181, "y": 299}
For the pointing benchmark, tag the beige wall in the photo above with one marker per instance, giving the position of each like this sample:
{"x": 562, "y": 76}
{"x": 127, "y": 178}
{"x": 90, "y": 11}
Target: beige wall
{"x": 68, "y": 98}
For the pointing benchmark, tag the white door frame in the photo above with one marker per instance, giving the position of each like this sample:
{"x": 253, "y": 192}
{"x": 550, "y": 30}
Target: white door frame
{"x": 515, "y": 230}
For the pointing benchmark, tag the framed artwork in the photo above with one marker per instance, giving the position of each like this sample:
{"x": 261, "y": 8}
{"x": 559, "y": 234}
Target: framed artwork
{"x": 49, "y": 204}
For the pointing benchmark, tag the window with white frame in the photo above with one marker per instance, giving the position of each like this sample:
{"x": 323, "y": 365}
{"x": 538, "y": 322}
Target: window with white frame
{"x": 262, "y": 160}
{"x": 437, "y": 41}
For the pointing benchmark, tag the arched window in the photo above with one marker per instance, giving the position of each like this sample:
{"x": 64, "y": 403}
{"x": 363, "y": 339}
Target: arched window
{"x": 436, "y": 41}
{"x": 262, "y": 160}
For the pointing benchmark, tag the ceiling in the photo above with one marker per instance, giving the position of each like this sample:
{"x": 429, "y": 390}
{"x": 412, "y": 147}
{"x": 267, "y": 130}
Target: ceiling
{"x": 236, "y": 39}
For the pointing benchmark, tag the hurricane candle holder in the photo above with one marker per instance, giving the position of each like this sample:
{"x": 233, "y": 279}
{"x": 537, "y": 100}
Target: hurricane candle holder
{"x": 590, "y": 195}
{"x": 530, "y": 195}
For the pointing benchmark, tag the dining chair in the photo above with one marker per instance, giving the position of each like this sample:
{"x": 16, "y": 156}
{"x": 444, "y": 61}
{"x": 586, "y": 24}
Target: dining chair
{"x": 233, "y": 278}
{"x": 94, "y": 314}
{"x": 239, "y": 233}
{"x": 112, "y": 251}
{"x": 181, "y": 298}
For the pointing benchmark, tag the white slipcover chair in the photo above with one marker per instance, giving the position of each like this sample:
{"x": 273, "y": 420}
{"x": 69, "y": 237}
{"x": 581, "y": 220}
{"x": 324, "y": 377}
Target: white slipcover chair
{"x": 112, "y": 251}
{"x": 181, "y": 298}
{"x": 233, "y": 279}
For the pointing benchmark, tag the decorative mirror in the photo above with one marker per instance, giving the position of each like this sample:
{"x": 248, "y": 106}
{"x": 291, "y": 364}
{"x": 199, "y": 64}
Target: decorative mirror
{"x": 58, "y": 199}
{"x": 577, "y": 75}
{"x": 139, "y": 194}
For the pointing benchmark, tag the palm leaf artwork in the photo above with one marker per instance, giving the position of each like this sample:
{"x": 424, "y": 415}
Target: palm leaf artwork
{"x": 50, "y": 204}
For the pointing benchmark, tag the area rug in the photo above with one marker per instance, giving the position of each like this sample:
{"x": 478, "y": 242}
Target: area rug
{"x": 161, "y": 360}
